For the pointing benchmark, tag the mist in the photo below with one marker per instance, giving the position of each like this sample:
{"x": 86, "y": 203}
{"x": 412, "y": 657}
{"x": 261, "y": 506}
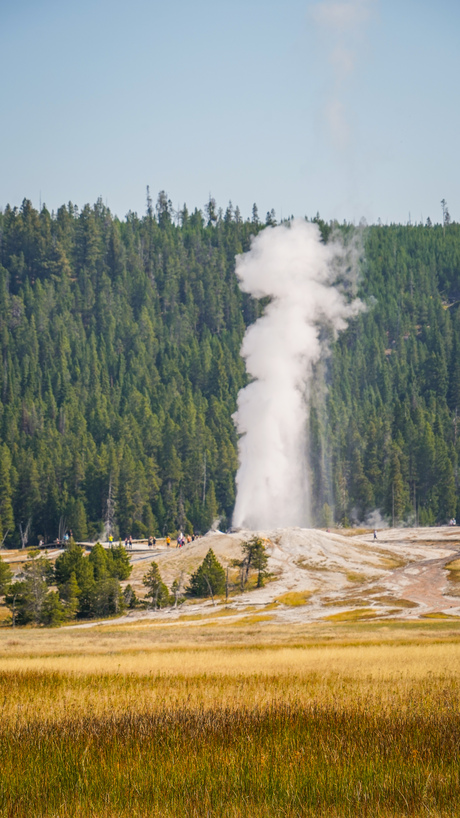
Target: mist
{"x": 342, "y": 24}
{"x": 299, "y": 273}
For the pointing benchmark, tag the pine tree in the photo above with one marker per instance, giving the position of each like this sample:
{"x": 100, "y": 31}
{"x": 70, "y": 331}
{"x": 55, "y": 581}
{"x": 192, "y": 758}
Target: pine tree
{"x": 255, "y": 558}
{"x": 70, "y": 593}
{"x": 156, "y": 589}
{"x": 6, "y": 506}
{"x": 52, "y": 612}
{"x": 118, "y": 562}
{"x": 208, "y": 579}
{"x": 6, "y": 576}
{"x": 260, "y": 562}
{"x": 397, "y": 490}
{"x": 99, "y": 562}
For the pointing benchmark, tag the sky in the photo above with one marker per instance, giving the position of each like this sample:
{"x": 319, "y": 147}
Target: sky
{"x": 349, "y": 108}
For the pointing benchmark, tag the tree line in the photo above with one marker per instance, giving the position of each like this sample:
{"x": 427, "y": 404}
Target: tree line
{"x": 386, "y": 436}
{"x": 120, "y": 362}
{"x": 120, "y": 370}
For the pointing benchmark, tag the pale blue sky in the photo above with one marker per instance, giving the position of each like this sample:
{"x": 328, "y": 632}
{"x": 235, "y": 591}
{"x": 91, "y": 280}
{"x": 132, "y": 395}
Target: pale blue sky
{"x": 292, "y": 106}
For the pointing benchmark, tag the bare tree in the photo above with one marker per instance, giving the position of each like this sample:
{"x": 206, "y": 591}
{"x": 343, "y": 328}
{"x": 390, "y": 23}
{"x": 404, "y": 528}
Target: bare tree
{"x": 445, "y": 215}
{"x": 13, "y": 609}
{"x": 24, "y": 532}
{"x": 209, "y": 588}
{"x": 110, "y": 508}
{"x": 62, "y": 528}
{"x": 176, "y": 588}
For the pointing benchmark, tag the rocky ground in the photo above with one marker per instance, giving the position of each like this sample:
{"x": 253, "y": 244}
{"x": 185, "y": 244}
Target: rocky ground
{"x": 407, "y": 573}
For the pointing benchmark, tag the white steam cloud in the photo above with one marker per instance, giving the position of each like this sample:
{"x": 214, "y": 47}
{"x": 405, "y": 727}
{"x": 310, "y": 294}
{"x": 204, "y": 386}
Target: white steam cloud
{"x": 342, "y": 22}
{"x": 297, "y": 271}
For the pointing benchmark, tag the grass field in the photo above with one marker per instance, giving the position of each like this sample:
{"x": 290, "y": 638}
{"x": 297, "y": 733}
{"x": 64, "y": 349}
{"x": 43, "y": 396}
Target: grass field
{"x": 342, "y": 719}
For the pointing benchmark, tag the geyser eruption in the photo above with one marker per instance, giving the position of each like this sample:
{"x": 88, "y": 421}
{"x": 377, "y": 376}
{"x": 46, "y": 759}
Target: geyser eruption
{"x": 292, "y": 266}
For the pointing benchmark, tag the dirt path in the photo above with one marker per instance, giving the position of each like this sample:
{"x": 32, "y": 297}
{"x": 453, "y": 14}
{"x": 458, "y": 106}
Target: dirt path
{"x": 425, "y": 582}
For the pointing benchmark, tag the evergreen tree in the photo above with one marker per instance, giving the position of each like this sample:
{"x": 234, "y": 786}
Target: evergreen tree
{"x": 69, "y": 594}
{"x": 52, "y": 612}
{"x": 118, "y": 562}
{"x": 129, "y": 597}
{"x": 255, "y": 558}
{"x": 208, "y": 579}
{"x": 99, "y": 562}
{"x": 6, "y": 505}
{"x": 156, "y": 589}
{"x": 6, "y": 576}
{"x": 105, "y": 598}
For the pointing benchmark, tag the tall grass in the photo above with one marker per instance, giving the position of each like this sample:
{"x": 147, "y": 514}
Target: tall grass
{"x": 260, "y": 745}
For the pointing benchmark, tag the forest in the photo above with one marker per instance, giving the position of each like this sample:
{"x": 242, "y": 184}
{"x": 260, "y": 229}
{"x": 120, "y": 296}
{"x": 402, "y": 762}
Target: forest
{"x": 120, "y": 369}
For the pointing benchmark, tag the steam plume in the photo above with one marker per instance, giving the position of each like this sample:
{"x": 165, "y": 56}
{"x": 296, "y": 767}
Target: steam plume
{"x": 297, "y": 271}
{"x": 342, "y": 22}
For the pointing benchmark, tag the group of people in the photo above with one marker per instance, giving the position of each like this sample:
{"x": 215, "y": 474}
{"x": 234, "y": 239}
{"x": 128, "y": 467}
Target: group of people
{"x": 152, "y": 541}
{"x": 65, "y": 540}
{"x": 181, "y": 539}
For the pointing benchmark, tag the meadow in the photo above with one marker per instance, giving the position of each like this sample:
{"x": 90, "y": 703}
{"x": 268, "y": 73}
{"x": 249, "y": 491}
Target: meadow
{"x": 357, "y": 719}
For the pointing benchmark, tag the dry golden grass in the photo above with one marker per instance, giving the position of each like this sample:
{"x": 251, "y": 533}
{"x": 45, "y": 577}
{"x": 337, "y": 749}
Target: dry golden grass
{"x": 352, "y": 616}
{"x": 390, "y": 563}
{"x": 306, "y": 565}
{"x": 440, "y": 615}
{"x": 227, "y": 746}
{"x": 294, "y": 598}
{"x": 254, "y": 645}
{"x": 349, "y": 532}
{"x": 356, "y": 577}
{"x": 349, "y": 720}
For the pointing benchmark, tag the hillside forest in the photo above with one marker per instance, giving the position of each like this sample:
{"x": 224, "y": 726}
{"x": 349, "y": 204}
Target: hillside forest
{"x": 120, "y": 368}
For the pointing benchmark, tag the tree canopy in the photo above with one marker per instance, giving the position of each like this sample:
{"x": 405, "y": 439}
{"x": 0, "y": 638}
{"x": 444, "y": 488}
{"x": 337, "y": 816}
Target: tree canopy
{"x": 120, "y": 345}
